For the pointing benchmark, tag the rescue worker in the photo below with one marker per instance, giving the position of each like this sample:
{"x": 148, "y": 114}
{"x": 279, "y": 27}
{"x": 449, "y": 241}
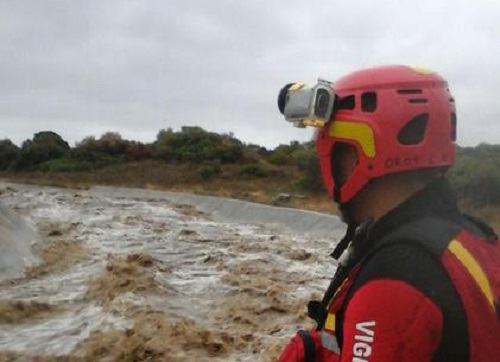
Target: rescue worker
{"x": 417, "y": 280}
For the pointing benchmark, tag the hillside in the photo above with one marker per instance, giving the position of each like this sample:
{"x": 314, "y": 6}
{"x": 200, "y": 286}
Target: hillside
{"x": 196, "y": 161}
{"x": 156, "y": 175}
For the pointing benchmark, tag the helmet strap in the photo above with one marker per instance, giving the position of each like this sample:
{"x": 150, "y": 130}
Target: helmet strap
{"x": 344, "y": 242}
{"x": 336, "y": 193}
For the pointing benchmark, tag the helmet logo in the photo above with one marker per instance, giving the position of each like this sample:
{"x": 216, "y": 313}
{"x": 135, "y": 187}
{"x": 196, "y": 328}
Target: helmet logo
{"x": 397, "y": 161}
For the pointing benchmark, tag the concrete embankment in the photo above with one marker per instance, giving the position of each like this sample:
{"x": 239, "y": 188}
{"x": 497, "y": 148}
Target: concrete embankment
{"x": 231, "y": 210}
{"x": 16, "y": 238}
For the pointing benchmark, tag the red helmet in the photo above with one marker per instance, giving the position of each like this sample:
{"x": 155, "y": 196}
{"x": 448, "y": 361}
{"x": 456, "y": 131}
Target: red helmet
{"x": 398, "y": 118}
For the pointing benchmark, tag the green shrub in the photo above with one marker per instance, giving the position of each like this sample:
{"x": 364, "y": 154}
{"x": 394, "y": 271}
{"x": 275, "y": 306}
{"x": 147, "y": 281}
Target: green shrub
{"x": 252, "y": 171}
{"x": 65, "y": 165}
{"x": 476, "y": 175}
{"x": 207, "y": 172}
{"x": 308, "y": 165}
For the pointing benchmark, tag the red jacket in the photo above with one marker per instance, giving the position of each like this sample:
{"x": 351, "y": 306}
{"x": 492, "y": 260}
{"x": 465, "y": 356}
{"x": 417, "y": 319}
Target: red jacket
{"x": 423, "y": 284}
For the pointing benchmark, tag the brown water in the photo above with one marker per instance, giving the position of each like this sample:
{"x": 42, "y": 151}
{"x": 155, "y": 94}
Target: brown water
{"x": 125, "y": 279}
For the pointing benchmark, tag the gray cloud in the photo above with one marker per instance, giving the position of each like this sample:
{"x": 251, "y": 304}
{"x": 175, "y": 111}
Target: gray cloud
{"x": 83, "y": 68}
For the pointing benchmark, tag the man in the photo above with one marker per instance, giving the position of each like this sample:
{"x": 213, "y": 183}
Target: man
{"x": 417, "y": 280}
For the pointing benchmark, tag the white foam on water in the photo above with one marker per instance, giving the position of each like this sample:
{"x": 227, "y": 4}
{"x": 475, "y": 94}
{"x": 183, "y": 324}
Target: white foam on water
{"x": 179, "y": 244}
{"x": 60, "y": 335}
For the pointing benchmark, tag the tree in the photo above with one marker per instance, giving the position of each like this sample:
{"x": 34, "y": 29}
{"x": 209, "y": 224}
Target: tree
{"x": 163, "y": 147}
{"x": 137, "y": 151}
{"x": 112, "y": 144}
{"x": 194, "y": 144}
{"x": 9, "y": 153}
{"x": 108, "y": 149}
{"x": 476, "y": 175}
{"x": 44, "y": 146}
{"x": 86, "y": 150}
{"x": 284, "y": 154}
{"x": 307, "y": 162}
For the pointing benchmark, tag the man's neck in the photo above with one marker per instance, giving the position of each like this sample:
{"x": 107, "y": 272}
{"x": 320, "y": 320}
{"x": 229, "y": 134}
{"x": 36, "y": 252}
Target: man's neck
{"x": 383, "y": 195}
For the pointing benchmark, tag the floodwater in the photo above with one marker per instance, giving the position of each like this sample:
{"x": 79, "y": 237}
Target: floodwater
{"x": 127, "y": 279}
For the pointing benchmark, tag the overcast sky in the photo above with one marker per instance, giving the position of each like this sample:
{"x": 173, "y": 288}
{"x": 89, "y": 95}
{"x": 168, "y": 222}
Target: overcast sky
{"x": 83, "y": 68}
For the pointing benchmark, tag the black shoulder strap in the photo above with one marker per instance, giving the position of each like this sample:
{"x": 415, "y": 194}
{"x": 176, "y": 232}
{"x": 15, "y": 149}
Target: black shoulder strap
{"x": 318, "y": 310}
{"x": 431, "y": 233}
{"x": 435, "y": 233}
{"x": 481, "y": 227}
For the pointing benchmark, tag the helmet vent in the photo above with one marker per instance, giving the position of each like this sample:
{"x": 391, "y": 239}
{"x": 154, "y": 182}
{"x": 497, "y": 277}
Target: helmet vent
{"x": 347, "y": 102}
{"x": 369, "y": 102}
{"x": 453, "y": 126}
{"x": 409, "y": 91}
{"x": 417, "y": 101}
{"x": 451, "y": 99}
{"x": 414, "y": 131}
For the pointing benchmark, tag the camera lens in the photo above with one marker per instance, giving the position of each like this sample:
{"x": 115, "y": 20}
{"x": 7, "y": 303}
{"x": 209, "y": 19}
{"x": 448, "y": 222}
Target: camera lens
{"x": 322, "y": 101}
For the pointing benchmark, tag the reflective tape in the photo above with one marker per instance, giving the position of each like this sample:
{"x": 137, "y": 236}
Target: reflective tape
{"x": 330, "y": 322}
{"x": 474, "y": 268}
{"x": 329, "y": 341}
